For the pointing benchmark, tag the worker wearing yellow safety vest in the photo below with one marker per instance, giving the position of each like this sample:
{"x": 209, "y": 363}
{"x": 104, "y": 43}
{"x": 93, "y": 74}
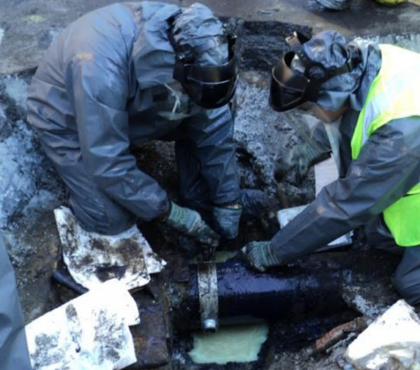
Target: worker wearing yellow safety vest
{"x": 369, "y": 93}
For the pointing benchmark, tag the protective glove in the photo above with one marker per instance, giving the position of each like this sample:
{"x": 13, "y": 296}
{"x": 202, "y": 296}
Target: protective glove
{"x": 190, "y": 223}
{"x": 227, "y": 219}
{"x": 260, "y": 255}
{"x": 300, "y": 159}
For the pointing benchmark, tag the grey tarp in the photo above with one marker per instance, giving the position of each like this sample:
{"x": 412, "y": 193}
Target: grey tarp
{"x": 13, "y": 347}
{"x": 102, "y": 88}
{"x": 387, "y": 168}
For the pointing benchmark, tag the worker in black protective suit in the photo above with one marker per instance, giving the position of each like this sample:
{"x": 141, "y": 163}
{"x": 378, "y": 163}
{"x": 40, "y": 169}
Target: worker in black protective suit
{"x": 129, "y": 73}
{"x": 13, "y": 346}
{"x": 374, "y": 90}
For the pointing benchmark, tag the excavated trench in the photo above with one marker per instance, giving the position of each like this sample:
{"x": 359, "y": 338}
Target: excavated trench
{"x": 30, "y": 190}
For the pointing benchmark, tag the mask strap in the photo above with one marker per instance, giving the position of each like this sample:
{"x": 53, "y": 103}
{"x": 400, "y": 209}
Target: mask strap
{"x": 171, "y": 24}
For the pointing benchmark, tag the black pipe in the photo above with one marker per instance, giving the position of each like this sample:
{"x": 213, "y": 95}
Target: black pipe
{"x": 64, "y": 278}
{"x": 311, "y": 287}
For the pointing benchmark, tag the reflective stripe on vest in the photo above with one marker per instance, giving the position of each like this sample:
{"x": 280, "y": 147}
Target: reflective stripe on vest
{"x": 394, "y": 94}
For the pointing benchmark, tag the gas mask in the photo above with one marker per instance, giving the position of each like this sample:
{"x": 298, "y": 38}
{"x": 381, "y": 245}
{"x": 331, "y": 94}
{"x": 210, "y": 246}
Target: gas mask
{"x": 208, "y": 86}
{"x": 291, "y": 88}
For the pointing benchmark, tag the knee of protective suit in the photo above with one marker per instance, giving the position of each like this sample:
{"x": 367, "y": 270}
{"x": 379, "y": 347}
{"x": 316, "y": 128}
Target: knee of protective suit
{"x": 254, "y": 202}
{"x": 408, "y": 286}
{"x": 106, "y": 218}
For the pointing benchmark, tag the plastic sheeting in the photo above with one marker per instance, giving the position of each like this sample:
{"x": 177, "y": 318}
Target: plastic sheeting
{"x": 286, "y": 215}
{"x": 90, "y": 332}
{"x": 92, "y": 258}
{"x": 325, "y": 173}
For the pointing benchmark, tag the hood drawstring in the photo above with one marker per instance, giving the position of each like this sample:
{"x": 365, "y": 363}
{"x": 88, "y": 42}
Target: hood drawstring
{"x": 177, "y": 95}
{"x": 180, "y": 108}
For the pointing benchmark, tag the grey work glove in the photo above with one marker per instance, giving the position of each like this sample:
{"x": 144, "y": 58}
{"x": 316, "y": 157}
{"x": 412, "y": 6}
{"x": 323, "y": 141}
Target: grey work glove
{"x": 190, "y": 223}
{"x": 300, "y": 159}
{"x": 260, "y": 256}
{"x": 227, "y": 219}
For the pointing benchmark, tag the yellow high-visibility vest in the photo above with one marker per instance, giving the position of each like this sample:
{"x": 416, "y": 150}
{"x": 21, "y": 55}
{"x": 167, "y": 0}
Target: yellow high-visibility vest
{"x": 394, "y": 94}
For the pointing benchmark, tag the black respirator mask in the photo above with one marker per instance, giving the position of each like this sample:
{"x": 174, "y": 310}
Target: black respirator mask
{"x": 209, "y": 87}
{"x": 289, "y": 88}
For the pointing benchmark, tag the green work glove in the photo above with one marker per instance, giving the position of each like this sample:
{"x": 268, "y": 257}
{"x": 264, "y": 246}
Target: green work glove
{"x": 226, "y": 220}
{"x": 190, "y": 223}
{"x": 260, "y": 255}
{"x": 300, "y": 159}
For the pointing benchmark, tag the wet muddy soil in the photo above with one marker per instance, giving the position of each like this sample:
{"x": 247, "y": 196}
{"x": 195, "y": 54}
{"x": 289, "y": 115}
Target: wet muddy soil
{"x": 30, "y": 190}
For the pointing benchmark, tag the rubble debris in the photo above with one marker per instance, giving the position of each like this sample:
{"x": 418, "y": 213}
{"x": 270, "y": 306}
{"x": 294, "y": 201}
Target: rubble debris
{"x": 150, "y": 337}
{"x": 392, "y": 341}
{"x": 92, "y": 258}
{"x": 337, "y": 334}
{"x": 90, "y": 332}
{"x": 368, "y": 299}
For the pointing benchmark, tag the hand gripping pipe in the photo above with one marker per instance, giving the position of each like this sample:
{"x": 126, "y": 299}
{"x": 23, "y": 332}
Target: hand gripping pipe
{"x": 232, "y": 292}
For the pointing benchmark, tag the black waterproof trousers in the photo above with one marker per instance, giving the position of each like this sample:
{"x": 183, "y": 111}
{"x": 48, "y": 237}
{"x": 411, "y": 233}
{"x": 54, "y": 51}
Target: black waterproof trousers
{"x": 13, "y": 346}
{"x": 407, "y": 275}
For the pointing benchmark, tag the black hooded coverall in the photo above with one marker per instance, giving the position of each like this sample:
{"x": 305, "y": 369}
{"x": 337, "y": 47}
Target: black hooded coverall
{"x": 98, "y": 93}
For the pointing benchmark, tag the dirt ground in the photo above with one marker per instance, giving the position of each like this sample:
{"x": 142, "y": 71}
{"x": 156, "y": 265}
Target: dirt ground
{"x": 28, "y": 26}
{"x": 31, "y": 236}
{"x": 30, "y": 189}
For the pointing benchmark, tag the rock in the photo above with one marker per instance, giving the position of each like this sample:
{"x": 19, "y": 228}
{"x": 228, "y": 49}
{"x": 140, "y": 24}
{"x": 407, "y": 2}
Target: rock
{"x": 391, "y": 342}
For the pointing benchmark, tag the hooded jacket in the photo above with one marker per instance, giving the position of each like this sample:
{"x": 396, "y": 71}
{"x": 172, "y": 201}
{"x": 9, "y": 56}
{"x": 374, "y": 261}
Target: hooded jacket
{"x": 386, "y": 169}
{"x": 104, "y": 86}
